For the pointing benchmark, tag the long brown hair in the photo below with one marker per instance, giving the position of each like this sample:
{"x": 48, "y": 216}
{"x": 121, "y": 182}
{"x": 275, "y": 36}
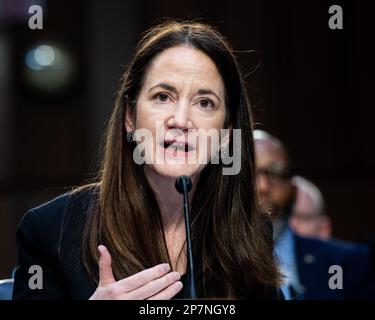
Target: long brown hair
{"x": 234, "y": 237}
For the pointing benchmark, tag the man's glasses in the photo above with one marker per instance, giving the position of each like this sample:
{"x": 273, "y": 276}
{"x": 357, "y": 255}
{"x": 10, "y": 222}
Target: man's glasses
{"x": 274, "y": 174}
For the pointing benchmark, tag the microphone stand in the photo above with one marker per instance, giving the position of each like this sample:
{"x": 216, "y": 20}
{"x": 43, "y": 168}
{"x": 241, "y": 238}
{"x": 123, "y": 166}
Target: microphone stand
{"x": 183, "y": 186}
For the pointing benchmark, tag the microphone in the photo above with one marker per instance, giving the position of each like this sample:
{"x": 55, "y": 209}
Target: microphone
{"x": 183, "y": 186}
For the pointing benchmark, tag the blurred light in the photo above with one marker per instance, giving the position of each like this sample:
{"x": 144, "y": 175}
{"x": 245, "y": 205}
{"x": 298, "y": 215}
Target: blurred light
{"x": 42, "y": 56}
{"x": 48, "y": 67}
{"x": 45, "y": 55}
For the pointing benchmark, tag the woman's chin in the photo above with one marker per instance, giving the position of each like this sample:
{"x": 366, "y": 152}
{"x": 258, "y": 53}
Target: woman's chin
{"x": 177, "y": 169}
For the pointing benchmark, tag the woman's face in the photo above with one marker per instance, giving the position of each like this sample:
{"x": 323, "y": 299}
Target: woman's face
{"x": 180, "y": 102}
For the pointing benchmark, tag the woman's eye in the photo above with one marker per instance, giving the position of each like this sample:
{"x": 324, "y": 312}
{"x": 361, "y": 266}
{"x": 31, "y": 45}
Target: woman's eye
{"x": 162, "y": 97}
{"x": 206, "y": 104}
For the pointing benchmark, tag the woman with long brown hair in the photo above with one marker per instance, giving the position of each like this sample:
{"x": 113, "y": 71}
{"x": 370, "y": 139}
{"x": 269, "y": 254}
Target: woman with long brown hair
{"x": 123, "y": 236}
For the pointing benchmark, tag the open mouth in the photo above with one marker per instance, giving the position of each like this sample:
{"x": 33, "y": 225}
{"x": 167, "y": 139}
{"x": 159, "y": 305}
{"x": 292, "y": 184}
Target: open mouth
{"x": 180, "y": 146}
{"x": 175, "y": 148}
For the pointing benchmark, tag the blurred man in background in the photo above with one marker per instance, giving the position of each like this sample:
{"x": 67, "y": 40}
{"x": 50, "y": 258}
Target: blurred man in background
{"x": 305, "y": 262}
{"x": 309, "y": 218}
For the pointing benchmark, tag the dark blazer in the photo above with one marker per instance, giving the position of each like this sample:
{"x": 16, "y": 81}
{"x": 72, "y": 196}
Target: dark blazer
{"x": 39, "y": 235}
{"x": 50, "y": 236}
{"x": 314, "y": 258}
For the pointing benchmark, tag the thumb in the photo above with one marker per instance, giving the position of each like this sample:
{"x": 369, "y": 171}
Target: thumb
{"x": 105, "y": 267}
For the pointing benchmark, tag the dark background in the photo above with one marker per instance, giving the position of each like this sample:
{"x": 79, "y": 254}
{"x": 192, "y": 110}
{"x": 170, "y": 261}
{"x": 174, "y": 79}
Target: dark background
{"x": 309, "y": 85}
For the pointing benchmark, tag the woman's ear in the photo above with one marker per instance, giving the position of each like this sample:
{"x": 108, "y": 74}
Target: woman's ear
{"x": 224, "y": 141}
{"x": 226, "y": 137}
{"x": 129, "y": 118}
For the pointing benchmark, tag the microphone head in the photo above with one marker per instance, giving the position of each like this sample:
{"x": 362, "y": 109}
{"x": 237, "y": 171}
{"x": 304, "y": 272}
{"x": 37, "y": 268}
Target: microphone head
{"x": 183, "y": 183}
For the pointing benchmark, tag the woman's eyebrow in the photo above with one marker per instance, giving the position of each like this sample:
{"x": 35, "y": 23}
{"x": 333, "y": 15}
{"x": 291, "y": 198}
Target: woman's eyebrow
{"x": 174, "y": 90}
{"x": 208, "y": 91}
{"x": 164, "y": 86}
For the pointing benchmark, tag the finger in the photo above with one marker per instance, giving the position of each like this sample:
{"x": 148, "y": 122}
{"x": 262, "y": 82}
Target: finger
{"x": 153, "y": 287}
{"x": 105, "y": 267}
{"x": 169, "y": 292}
{"x": 143, "y": 277}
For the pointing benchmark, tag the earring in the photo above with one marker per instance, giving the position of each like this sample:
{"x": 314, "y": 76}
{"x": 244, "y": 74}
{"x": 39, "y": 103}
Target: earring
{"x": 224, "y": 151}
{"x": 130, "y": 136}
{"x": 219, "y": 154}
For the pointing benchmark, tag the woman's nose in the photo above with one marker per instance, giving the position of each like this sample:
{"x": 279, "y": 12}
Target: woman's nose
{"x": 180, "y": 116}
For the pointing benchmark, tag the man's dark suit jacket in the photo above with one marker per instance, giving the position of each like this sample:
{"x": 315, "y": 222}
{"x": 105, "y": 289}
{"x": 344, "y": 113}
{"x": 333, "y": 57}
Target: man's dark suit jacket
{"x": 314, "y": 258}
{"x": 50, "y": 236}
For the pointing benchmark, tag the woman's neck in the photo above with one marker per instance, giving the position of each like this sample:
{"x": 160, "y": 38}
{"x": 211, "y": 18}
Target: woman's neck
{"x": 170, "y": 201}
{"x": 170, "y": 204}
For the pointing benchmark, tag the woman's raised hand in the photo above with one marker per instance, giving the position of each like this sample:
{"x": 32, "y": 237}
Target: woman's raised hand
{"x": 156, "y": 283}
